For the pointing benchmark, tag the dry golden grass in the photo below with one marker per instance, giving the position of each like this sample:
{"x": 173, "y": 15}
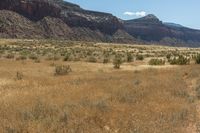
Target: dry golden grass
{"x": 94, "y": 98}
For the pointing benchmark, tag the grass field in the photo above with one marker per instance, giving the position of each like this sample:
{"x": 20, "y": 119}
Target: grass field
{"x": 94, "y": 97}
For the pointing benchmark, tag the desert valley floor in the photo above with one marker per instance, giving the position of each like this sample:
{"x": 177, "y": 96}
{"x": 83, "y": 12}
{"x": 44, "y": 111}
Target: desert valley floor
{"x": 76, "y": 87}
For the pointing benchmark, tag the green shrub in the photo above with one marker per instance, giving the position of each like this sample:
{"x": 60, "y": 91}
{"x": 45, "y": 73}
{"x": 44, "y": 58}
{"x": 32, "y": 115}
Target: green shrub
{"x": 168, "y": 56}
{"x": 157, "y": 62}
{"x": 10, "y": 56}
{"x": 52, "y": 57}
{"x": 105, "y": 60}
{"x": 75, "y": 58}
{"x": 197, "y": 59}
{"x": 92, "y": 59}
{"x": 180, "y": 60}
{"x": 129, "y": 57}
{"x": 139, "y": 57}
{"x": 56, "y": 57}
{"x": 117, "y": 61}
{"x": 19, "y": 76}
{"x": 33, "y": 57}
{"x": 37, "y": 60}
{"x": 21, "y": 57}
{"x": 62, "y": 70}
{"x": 66, "y": 58}
{"x": 198, "y": 92}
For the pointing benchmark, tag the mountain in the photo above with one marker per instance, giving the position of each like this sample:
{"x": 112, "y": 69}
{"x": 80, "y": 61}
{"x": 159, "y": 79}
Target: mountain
{"x": 59, "y": 19}
{"x": 149, "y": 19}
{"x": 151, "y": 29}
{"x": 172, "y": 24}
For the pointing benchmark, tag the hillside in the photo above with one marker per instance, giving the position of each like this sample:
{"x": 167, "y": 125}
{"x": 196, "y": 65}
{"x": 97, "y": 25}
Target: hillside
{"x": 58, "y": 19}
{"x": 150, "y": 28}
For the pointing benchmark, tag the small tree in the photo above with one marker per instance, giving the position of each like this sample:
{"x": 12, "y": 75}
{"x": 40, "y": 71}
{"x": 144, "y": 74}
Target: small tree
{"x": 117, "y": 62}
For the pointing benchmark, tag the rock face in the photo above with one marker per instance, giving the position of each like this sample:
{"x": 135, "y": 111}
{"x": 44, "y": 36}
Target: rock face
{"x": 57, "y": 19}
{"x": 146, "y": 28}
{"x": 150, "y": 28}
{"x": 32, "y": 9}
{"x": 71, "y": 14}
{"x": 63, "y": 20}
{"x": 13, "y": 25}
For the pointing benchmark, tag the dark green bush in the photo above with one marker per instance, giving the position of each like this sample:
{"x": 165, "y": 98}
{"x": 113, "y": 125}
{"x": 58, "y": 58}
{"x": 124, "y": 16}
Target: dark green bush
{"x": 53, "y": 57}
{"x": 139, "y": 57}
{"x": 180, "y": 60}
{"x": 56, "y": 57}
{"x": 92, "y": 59}
{"x": 198, "y": 92}
{"x": 19, "y": 76}
{"x": 37, "y": 60}
{"x": 62, "y": 70}
{"x": 129, "y": 57}
{"x": 168, "y": 56}
{"x": 67, "y": 57}
{"x": 21, "y": 57}
{"x": 117, "y": 61}
{"x": 10, "y": 56}
{"x": 157, "y": 62}
{"x": 197, "y": 59}
{"x": 33, "y": 57}
{"x": 106, "y": 60}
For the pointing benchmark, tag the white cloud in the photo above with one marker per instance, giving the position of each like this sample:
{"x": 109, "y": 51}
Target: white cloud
{"x": 138, "y": 14}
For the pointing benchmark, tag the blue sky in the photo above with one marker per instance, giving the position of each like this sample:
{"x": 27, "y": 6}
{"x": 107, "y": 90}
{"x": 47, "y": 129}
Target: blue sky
{"x": 184, "y": 12}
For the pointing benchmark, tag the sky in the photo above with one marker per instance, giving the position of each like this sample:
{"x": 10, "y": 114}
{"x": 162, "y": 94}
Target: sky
{"x": 184, "y": 12}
